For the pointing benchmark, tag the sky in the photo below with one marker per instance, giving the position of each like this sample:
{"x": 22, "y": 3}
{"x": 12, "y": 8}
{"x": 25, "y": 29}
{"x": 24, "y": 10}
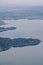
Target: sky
{"x": 21, "y": 2}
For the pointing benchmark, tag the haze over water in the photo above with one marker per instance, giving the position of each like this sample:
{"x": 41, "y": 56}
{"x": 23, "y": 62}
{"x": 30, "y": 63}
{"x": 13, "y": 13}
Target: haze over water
{"x": 29, "y": 55}
{"x": 21, "y": 32}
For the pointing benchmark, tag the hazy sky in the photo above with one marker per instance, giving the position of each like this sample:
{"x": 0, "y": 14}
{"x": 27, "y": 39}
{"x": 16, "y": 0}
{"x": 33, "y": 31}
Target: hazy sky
{"x": 21, "y": 2}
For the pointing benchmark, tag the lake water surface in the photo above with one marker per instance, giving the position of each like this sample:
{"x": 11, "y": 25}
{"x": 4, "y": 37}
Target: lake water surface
{"x": 29, "y": 55}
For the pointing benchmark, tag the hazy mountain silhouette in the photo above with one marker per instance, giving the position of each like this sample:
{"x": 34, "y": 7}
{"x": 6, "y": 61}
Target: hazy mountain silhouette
{"x": 7, "y": 43}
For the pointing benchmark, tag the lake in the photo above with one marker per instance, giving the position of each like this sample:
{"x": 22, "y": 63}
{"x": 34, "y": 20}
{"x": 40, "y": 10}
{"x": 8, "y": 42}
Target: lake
{"x": 28, "y": 55}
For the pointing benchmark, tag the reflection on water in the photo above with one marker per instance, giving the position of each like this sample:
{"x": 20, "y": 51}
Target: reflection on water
{"x": 6, "y": 43}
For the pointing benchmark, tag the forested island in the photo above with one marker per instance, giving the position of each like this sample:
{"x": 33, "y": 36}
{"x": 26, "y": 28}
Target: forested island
{"x": 7, "y": 43}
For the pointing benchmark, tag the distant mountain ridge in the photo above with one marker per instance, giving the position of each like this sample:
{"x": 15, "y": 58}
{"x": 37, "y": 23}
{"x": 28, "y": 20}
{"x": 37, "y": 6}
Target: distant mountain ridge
{"x": 22, "y": 13}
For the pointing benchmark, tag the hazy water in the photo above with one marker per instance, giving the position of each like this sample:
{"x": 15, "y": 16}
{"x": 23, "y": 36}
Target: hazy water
{"x": 31, "y": 55}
